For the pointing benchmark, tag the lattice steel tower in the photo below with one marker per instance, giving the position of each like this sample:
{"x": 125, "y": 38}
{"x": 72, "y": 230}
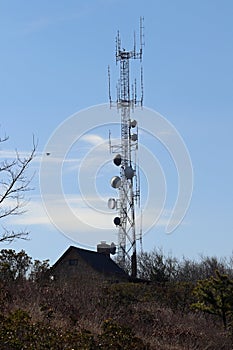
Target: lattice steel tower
{"x": 127, "y": 183}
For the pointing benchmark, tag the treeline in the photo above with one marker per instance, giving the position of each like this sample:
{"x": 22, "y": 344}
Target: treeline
{"x": 182, "y": 304}
{"x": 158, "y": 267}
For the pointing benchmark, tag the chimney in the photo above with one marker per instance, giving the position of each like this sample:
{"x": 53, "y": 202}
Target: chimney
{"x": 106, "y": 249}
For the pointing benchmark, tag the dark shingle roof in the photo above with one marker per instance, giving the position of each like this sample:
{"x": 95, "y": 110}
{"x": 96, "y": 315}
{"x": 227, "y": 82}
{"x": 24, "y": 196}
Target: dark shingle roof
{"x": 98, "y": 261}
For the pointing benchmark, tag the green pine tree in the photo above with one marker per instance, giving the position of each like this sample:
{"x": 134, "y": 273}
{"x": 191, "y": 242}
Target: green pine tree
{"x": 215, "y": 296}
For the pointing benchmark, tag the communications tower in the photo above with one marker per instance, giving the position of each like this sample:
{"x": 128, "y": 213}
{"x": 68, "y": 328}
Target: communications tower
{"x": 127, "y": 182}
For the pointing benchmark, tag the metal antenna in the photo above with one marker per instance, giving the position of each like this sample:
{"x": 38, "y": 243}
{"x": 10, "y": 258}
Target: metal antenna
{"x": 141, "y": 247}
{"x": 109, "y": 139}
{"x": 142, "y": 37}
{"x": 109, "y": 86}
{"x": 142, "y": 92}
{"x": 134, "y": 46}
{"x": 127, "y": 182}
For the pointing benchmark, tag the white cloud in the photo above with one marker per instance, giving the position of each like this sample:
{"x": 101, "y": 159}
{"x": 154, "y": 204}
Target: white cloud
{"x": 88, "y": 225}
{"x": 92, "y": 210}
{"x": 93, "y": 139}
{"x": 34, "y": 213}
{"x": 12, "y": 154}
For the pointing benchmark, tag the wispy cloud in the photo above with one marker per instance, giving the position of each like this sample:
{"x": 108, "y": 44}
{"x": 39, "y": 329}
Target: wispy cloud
{"x": 91, "y": 217}
{"x": 11, "y": 154}
{"x": 93, "y": 139}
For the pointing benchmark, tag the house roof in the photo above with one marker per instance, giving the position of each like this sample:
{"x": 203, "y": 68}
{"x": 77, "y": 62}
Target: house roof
{"x": 98, "y": 261}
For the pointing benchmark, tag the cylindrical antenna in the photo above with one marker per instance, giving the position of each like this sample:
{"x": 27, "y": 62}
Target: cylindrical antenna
{"x": 109, "y": 141}
{"x": 109, "y": 86}
{"x": 116, "y": 40}
{"x": 139, "y": 183}
{"x": 140, "y": 238}
{"x": 118, "y": 91}
{"x": 142, "y": 39}
{"x": 142, "y": 86}
{"x": 134, "y": 46}
{"x": 135, "y": 91}
{"x": 118, "y": 46}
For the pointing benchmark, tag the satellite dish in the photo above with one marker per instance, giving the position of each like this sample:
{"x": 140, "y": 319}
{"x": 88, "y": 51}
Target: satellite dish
{"x": 129, "y": 172}
{"x": 111, "y": 203}
{"x": 116, "y": 182}
{"x": 112, "y": 248}
{"x": 117, "y": 221}
{"x": 134, "y": 137}
{"x": 117, "y": 160}
{"x": 133, "y": 123}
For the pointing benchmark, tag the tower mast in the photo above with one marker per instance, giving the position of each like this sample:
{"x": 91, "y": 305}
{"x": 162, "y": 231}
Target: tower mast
{"x": 126, "y": 183}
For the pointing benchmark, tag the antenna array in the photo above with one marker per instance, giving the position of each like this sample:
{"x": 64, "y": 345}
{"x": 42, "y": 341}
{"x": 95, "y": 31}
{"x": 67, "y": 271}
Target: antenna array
{"x": 127, "y": 183}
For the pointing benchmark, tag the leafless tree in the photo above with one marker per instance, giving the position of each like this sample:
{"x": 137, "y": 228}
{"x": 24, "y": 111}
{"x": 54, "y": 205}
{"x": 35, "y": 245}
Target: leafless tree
{"x": 14, "y": 183}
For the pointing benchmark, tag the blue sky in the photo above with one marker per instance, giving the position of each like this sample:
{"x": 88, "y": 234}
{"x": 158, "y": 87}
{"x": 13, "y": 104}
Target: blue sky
{"x": 54, "y": 58}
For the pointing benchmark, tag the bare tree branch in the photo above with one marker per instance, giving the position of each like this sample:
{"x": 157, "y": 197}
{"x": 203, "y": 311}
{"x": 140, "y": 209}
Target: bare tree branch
{"x": 9, "y": 236}
{"x": 14, "y": 183}
{"x": 4, "y": 138}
